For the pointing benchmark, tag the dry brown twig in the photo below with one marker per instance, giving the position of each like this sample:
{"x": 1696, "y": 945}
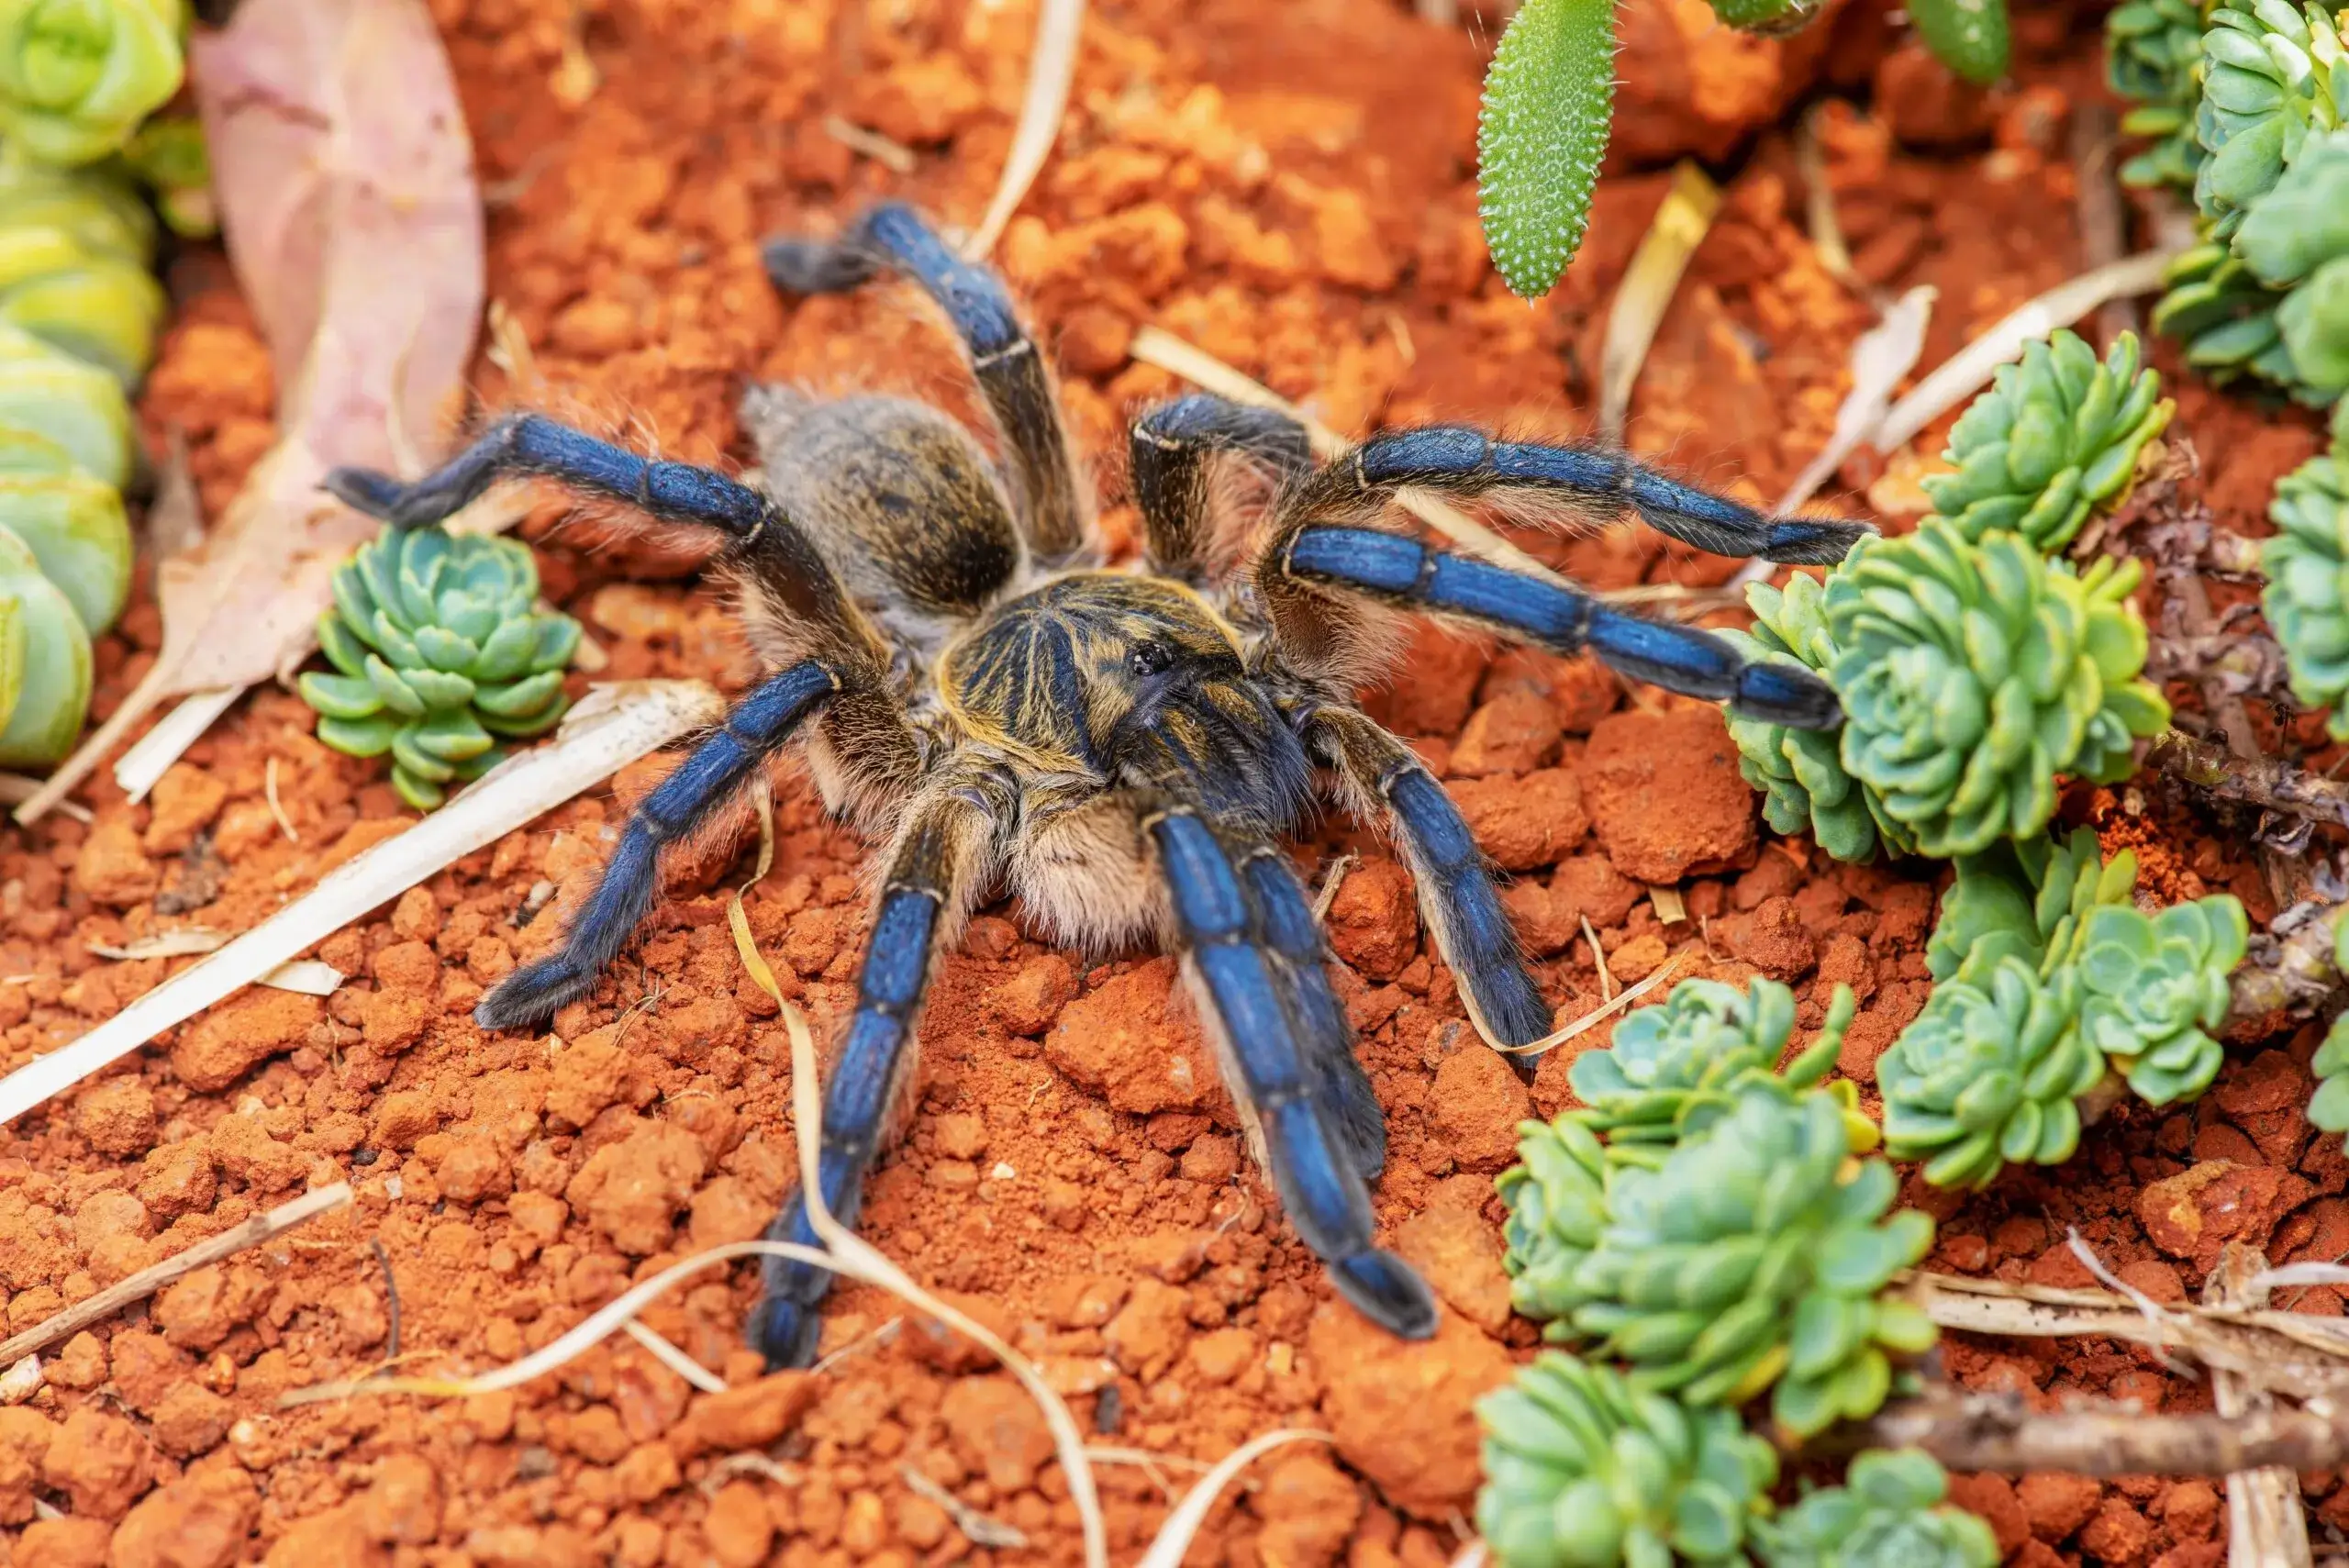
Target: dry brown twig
{"x": 2266, "y": 1526}
{"x": 2000, "y": 1432}
{"x": 259, "y": 1228}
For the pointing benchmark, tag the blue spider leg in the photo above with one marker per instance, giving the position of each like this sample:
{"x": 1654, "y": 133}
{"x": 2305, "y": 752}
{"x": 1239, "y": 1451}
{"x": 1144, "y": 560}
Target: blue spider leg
{"x": 922, "y": 897}
{"x": 1011, "y": 374}
{"x": 1300, "y": 966}
{"x": 1174, "y": 449}
{"x": 1321, "y": 1187}
{"x": 1467, "y": 463}
{"x": 530, "y": 445}
{"x": 1459, "y": 902}
{"x": 1677, "y": 658}
{"x": 713, "y": 770}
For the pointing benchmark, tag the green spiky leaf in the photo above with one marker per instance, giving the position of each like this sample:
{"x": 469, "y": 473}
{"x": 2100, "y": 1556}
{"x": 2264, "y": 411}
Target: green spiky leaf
{"x": 1549, "y": 99}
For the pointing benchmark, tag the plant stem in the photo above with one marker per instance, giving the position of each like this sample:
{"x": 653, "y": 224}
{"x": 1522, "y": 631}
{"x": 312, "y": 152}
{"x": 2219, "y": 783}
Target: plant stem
{"x": 1999, "y": 1432}
{"x": 2266, "y": 782}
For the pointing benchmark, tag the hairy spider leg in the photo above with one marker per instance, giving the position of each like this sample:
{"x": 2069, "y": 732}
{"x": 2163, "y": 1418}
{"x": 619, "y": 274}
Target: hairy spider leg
{"x": 923, "y": 898}
{"x": 711, "y": 773}
{"x": 1459, "y": 902}
{"x": 1466, "y": 462}
{"x": 1321, "y": 1189}
{"x": 1682, "y": 658}
{"x": 1300, "y": 967}
{"x": 1174, "y": 450}
{"x": 1005, "y": 361}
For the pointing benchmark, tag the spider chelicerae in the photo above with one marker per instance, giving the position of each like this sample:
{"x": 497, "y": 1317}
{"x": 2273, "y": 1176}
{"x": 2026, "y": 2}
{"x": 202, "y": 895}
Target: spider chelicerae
{"x": 1123, "y": 749}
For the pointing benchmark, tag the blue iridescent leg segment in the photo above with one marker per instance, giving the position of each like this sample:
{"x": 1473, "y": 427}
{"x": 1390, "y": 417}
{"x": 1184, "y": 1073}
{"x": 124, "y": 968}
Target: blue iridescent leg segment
{"x": 528, "y": 446}
{"x": 1459, "y": 903}
{"x": 919, "y": 899}
{"x": 1176, "y": 447}
{"x": 1300, "y": 962}
{"x": 711, "y": 773}
{"x": 1312, "y": 1166}
{"x": 1679, "y": 659}
{"x": 1569, "y": 480}
{"x": 1010, "y": 373}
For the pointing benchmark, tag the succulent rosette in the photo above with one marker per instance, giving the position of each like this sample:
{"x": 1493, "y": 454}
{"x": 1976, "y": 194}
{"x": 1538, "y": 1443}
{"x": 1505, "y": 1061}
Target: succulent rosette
{"x": 1890, "y": 1512}
{"x": 1974, "y": 672}
{"x": 45, "y": 663}
{"x": 1800, "y": 772}
{"x": 1754, "y": 1258}
{"x": 1557, "y": 1206}
{"x": 2270, "y": 79}
{"x": 2154, "y": 988}
{"x": 2295, "y": 240}
{"x": 440, "y": 652}
{"x": 1584, "y": 1471}
{"x": 2307, "y": 566}
{"x": 1698, "y": 1045}
{"x": 2153, "y": 59}
{"x": 2224, "y": 316}
{"x": 2025, "y": 900}
{"x": 77, "y": 76}
{"x": 2056, "y": 437}
{"x": 1988, "y": 1075}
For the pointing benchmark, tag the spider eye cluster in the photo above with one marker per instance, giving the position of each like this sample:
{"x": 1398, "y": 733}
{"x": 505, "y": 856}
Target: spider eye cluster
{"x": 1153, "y": 658}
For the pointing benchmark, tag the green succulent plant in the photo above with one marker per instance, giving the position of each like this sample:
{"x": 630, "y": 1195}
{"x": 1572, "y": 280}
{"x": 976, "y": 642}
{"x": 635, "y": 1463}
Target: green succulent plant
{"x": 2269, "y": 81}
{"x": 2056, "y": 437}
{"x": 1975, "y": 671}
{"x": 1887, "y": 1514}
{"x": 73, "y": 271}
{"x": 2296, "y": 240}
{"x": 1754, "y": 1258}
{"x": 2152, "y": 988}
{"x": 45, "y": 663}
{"x": 2307, "y": 567}
{"x": 1988, "y": 1075}
{"x": 74, "y": 526}
{"x": 2025, "y": 900}
{"x": 1583, "y": 1469}
{"x": 169, "y": 156}
{"x": 1697, "y": 1046}
{"x": 2223, "y": 316}
{"x": 1800, "y": 772}
{"x": 2153, "y": 58}
{"x": 69, "y": 402}
{"x": 1557, "y": 1206}
{"x": 1970, "y": 37}
{"x": 440, "y": 652}
{"x": 2329, "y": 1109}
{"x": 77, "y": 76}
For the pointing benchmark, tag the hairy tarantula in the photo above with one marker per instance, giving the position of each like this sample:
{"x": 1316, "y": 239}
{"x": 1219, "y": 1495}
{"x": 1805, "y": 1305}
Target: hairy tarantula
{"x": 1124, "y": 750}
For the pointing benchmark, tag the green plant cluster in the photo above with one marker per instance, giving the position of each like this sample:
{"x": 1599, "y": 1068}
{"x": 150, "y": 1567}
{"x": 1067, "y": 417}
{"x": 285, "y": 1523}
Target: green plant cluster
{"x": 1549, "y": 100}
{"x": 1973, "y": 672}
{"x": 78, "y": 76}
{"x": 2307, "y": 566}
{"x": 79, "y": 313}
{"x": 1706, "y": 1220}
{"x": 440, "y": 652}
{"x": 2153, "y": 59}
{"x": 1708, "y": 1228}
{"x": 2266, "y": 292}
{"x": 1887, "y": 1514}
{"x": 2048, "y": 979}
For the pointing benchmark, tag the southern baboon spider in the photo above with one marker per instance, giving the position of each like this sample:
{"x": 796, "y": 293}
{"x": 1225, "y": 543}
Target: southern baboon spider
{"x": 1124, "y": 750}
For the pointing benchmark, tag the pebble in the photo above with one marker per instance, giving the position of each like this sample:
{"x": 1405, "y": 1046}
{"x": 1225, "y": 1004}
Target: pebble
{"x": 1151, "y": 1330}
{"x": 1374, "y": 921}
{"x": 1029, "y": 1002}
{"x": 1516, "y": 732}
{"x": 1476, "y": 1103}
{"x": 998, "y": 1429}
{"x": 64, "y": 1543}
{"x": 633, "y": 1190}
{"x": 112, "y": 867}
{"x": 1128, "y": 1041}
{"x": 199, "y": 1521}
{"x": 1666, "y": 797}
{"x": 1404, "y": 1411}
{"x": 229, "y": 1041}
{"x": 2056, "y": 1503}
{"x": 100, "y": 1461}
{"x": 1310, "y": 1508}
{"x": 739, "y": 1526}
{"x": 1525, "y": 822}
{"x": 1460, "y": 1257}
{"x": 750, "y": 1415}
{"x": 2195, "y": 1213}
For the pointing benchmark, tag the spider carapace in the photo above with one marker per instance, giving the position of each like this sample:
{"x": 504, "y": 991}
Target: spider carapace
{"x": 1123, "y": 749}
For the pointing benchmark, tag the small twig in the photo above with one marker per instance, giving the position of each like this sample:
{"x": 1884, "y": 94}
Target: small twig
{"x": 1597, "y": 1015}
{"x": 391, "y": 1299}
{"x": 261, "y": 1228}
{"x": 1599, "y": 958}
{"x": 1174, "y": 1537}
{"x": 2266, "y": 782}
{"x": 276, "y": 810}
{"x": 2265, "y": 1524}
{"x": 1331, "y": 882}
{"x": 1999, "y": 1432}
{"x": 1819, "y": 206}
{"x": 2291, "y": 971}
{"x": 872, "y": 143}
{"x": 675, "y": 1360}
{"x": 976, "y": 1528}
{"x": 1648, "y": 285}
{"x": 16, "y": 789}
{"x": 1052, "y": 70}
{"x": 2104, "y": 223}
